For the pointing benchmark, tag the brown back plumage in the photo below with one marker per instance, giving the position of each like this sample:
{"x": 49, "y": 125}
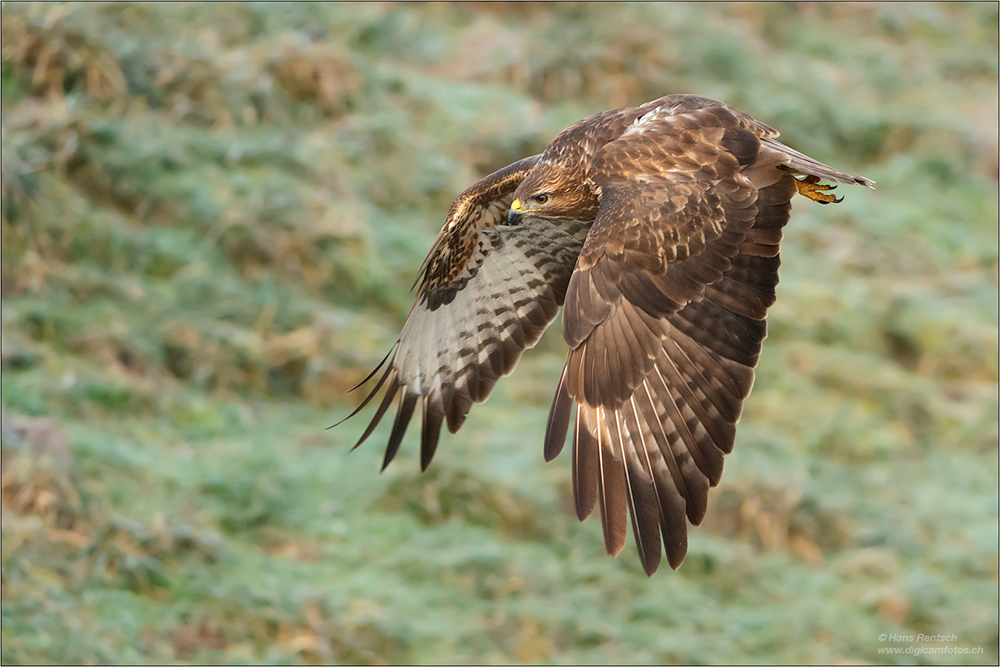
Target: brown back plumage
{"x": 659, "y": 225}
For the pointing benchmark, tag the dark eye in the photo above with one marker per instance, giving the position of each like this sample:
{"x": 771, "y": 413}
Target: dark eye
{"x": 541, "y": 199}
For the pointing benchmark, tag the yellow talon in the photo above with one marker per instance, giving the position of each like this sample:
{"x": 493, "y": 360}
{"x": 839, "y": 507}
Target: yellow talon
{"x": 808, "y": 186}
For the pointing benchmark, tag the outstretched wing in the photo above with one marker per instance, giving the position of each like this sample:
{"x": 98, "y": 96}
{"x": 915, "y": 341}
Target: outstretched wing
{"x": 488, "y": 291}
{"x": 665, "y": 315}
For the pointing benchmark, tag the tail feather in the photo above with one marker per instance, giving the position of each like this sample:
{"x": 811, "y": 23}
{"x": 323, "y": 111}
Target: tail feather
{"x": 806, "y": 166}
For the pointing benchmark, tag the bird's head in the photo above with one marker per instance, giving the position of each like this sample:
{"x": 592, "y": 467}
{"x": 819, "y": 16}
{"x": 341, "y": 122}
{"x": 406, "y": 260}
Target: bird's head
{"x": 551, "y": 191}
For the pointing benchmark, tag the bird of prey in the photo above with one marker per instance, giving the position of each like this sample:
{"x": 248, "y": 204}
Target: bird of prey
{"x": 657, "y": 228}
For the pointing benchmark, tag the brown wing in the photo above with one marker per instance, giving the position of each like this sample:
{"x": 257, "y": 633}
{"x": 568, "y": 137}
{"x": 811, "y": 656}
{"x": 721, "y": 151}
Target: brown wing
{"x": 488, "y": 293}
{"x": 665, "y": 315}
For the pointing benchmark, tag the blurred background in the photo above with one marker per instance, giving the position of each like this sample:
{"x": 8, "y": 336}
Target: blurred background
{"x": 212, "y": 215}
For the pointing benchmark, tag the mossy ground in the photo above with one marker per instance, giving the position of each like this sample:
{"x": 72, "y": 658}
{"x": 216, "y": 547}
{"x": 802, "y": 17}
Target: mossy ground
{"x": 211, "y": 217}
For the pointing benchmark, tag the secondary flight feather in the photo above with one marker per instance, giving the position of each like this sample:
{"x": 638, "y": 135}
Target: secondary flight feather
{"x": 658, "y": 227}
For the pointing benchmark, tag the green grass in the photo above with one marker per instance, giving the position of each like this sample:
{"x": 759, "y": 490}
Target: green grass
{"x": 211, "y": 216}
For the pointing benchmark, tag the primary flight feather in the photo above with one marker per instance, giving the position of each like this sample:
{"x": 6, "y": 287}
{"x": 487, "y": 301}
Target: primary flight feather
{"x": 658, "y": 228}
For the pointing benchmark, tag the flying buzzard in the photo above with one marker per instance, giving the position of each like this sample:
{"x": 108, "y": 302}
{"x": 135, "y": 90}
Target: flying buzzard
{"x": 658, "y": 227}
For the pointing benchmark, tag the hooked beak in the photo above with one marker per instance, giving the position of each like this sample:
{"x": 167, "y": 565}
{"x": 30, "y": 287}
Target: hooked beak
{"x": 514, "y": 214}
